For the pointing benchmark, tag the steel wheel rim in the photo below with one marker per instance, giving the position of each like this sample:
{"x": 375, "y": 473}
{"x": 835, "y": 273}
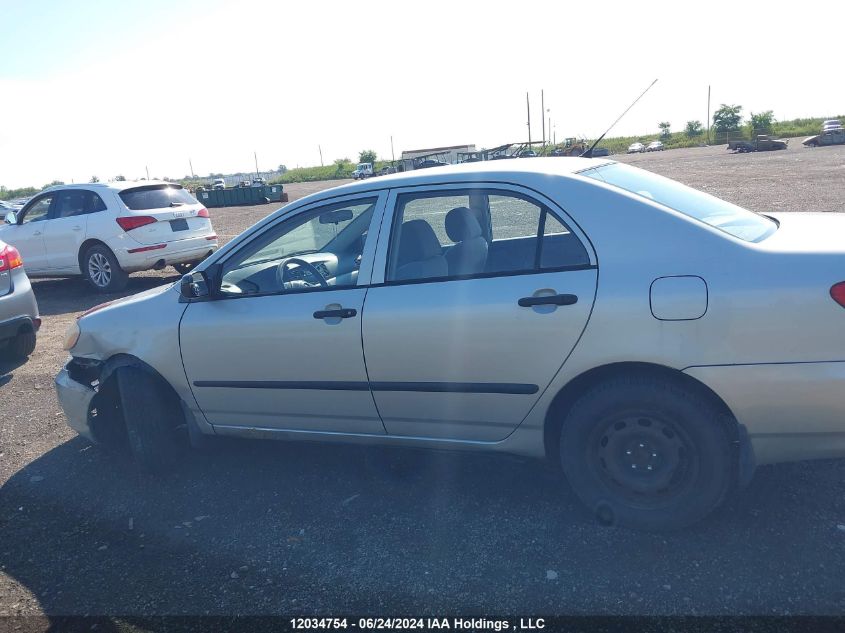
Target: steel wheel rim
{"x": 648, "y": 460}
{"x": 99, "y": 269}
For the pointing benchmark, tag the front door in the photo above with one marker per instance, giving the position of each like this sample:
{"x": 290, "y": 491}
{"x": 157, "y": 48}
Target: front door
{"x": 279, "y": 344}
{"x": 485, "y": 293}
{"x": 28, "y": 235}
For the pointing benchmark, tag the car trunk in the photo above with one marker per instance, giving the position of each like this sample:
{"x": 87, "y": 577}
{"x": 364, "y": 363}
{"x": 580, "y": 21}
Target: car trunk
{"x": 812, "y": 233}
{"x": 175, "y": 211}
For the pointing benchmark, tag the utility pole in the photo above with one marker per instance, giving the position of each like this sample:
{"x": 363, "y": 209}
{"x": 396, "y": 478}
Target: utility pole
{"x": 320, "y": 149}
{"x": 542, "y": 118}
{"x": 254, "y": 153}
{"x": 528, "y": 107}
{"x": 392, "y": 155}
{"x": 708, "y": 115}
{"x": 192, "y": 168}
{"x": 148, "y": 171}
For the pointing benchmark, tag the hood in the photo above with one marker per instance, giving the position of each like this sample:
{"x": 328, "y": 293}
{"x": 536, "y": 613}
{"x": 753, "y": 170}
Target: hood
{"x": 807, "y": 233}
{"x": 123, "y": 302}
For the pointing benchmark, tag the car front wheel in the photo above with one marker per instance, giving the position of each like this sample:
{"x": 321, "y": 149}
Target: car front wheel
{"x": 154, "y": 425}
{"x": 647, "y": 453}
{"x": 102, "y": 270}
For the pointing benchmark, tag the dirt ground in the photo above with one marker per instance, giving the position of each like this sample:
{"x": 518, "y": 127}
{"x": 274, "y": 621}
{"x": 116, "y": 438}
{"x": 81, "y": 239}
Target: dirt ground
{"x": 300, "y": 529}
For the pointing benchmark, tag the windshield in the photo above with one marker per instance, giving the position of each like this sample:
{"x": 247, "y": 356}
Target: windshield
{"x": 741, "y": 223}
{"x": 155, "y": 197}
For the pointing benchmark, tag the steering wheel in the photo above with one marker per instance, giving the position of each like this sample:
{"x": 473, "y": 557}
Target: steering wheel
{"x": 281, "y": 271}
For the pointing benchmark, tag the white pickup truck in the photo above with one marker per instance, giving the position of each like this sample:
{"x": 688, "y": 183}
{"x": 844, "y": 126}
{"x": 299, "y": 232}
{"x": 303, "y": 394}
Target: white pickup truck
{"x": 363, "y": 170}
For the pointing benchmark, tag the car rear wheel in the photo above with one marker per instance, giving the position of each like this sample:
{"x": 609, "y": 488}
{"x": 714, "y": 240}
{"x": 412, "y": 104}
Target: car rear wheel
{"x": 101, "y": 269}
{"x": 154, "y": 424}
{"x": 19, "y": 347}
{"x": 647, "y": 453}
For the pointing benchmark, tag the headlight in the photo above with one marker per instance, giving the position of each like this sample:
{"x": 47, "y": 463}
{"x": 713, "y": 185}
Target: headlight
{"x": 71, "y": 335}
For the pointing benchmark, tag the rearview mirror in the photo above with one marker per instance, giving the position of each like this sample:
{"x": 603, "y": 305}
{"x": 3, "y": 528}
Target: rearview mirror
{"x": 193, "y": 286}
{"x": 11, "y": 218}
{"x": 336, "y": 217}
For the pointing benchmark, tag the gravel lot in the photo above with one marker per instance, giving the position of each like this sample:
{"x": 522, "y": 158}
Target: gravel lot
{"x": 298, "y": 529}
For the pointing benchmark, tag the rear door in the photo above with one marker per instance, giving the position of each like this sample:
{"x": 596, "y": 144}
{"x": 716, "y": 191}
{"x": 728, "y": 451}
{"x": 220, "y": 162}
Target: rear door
{"x": 465, "y": 354}
{"x": 177, "y": 213}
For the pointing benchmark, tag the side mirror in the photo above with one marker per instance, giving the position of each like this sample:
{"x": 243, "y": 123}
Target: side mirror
{"x": 11, "y": 218}
{"x": 193, "y": 286}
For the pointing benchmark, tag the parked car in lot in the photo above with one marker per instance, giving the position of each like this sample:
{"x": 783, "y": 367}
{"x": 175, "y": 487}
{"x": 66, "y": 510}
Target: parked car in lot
{"x": 104, "y": 231}
{"x": 636, "y": 148}
{"x": 831, "y": 124}
{"x": 655, "y": 146}
{"x": 567, "y": 310}
{"x": 832, "y": 136}
{"x": 218, "y": 183}
{"x": 19, "y": 320}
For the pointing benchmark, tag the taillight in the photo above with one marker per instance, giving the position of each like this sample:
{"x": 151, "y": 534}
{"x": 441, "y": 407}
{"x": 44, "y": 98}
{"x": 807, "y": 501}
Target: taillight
{"x": 10, "y": 258}
{"x": 203, "y": 213}
{"x": 837, "y": 292}
{"x": 135, "y": 221}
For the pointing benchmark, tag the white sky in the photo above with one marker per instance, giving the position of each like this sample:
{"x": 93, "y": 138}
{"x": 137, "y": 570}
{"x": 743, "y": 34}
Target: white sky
{"x": 214, "y": 82}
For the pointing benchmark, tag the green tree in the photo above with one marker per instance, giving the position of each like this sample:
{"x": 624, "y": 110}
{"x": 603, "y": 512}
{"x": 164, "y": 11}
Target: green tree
{"x": 727, "y": 118}
{"x": 762, "y": 122}
{"x": 94, "y": 179}
{"x": 342, "y": 165}
{"x": 119, "y": 178}
{"x": 54, "y": 183}
{"x": 281, "y": 169}
{"x": 664, "y": 129}
{"x": 367, "y": 156}
{"x": 693, "y": 129}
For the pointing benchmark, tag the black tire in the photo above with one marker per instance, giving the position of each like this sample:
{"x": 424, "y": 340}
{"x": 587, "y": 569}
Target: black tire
{"x": 184, "y": 269}
{"x": 154, "y": 422}
{"x": 19, "y": 347}
{"x": 101, "y": 269}
{"x": 647, "y": 453}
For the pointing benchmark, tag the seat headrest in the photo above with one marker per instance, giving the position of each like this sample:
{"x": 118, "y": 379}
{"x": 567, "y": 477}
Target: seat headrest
{"x": 417, "y": 242}
{"x": 461, "y": 225}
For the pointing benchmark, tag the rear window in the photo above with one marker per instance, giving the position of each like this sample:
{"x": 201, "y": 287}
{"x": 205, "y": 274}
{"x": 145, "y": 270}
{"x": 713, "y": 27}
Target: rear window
{"x": 156, "y": 197}
{"x": 727, "y": 217}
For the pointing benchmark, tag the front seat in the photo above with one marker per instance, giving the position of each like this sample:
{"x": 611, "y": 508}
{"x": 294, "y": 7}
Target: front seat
{"x": 469, "y": 254}
{"x": 420, "y": 252}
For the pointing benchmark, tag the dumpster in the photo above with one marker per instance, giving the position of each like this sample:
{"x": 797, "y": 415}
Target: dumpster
{"x": 235, "y": 196}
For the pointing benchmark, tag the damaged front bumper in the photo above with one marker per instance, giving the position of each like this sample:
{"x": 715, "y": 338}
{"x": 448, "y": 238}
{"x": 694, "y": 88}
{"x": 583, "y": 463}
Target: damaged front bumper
{"x": 75, "y": 399}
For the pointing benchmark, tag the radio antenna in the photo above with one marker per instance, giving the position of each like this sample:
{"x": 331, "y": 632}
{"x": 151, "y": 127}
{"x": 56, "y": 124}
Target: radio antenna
{"x": 589, "y": 152}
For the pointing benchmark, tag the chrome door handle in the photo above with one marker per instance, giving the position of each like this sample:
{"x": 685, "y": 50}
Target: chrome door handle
{"x": 36, "y": 232}
{"x": 551, "y": 300}
{"x": 343, "y": 313}
{"x": 77, "y": 228}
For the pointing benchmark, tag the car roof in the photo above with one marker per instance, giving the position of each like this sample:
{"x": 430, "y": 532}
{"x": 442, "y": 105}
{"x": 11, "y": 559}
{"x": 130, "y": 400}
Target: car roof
{"x": 120, "y": 185}
{"x": 504, "y": 170}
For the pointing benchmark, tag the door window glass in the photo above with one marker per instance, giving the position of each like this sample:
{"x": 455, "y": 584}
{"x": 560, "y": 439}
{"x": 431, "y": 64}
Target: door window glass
{"x": 37, "y": 211}
{"x": 71, "y": 202}
{"x": 319, "y": 249}
{"x": 469, "y": 233}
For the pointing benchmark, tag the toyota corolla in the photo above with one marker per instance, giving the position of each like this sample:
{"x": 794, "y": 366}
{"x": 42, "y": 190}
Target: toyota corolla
{"x": 654, "y": 341}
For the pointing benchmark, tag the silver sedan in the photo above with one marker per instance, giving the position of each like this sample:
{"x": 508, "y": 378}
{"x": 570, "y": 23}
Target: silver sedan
{"x": 656, "y": 342}
{"x": 19, "y": 320}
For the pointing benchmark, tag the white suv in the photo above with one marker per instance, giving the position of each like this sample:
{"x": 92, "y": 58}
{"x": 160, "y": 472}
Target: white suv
{"x": 104, "y": 231}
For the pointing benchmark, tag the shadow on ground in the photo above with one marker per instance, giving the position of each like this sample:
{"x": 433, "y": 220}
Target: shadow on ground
{"x": 256, "y": 528}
